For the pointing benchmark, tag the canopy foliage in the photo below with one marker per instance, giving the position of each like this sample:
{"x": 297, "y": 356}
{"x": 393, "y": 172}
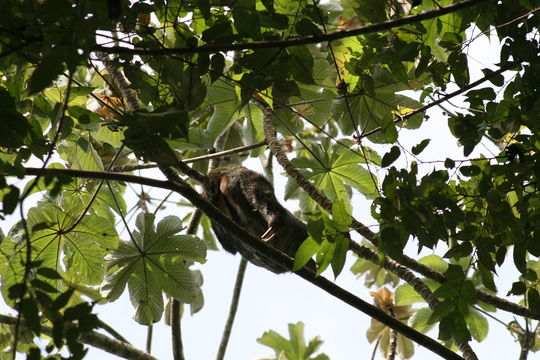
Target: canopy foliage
{"x": 338, "y": 81}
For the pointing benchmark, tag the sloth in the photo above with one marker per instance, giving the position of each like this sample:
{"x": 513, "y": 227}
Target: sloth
{"x": 248, "y": 199}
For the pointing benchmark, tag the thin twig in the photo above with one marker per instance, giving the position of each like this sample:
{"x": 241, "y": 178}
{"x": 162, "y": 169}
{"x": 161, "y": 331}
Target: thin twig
{"x": 176, "y": 315}
{"x": 445, "y": 98}
{"x": 232, "y": 309}
{"x": 112, "y": 331}
{"x": 392, "y": 344}
{"x": 194, "y": 159}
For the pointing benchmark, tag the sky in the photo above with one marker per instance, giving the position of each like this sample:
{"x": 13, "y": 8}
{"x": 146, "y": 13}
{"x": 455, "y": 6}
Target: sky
{"x": 269, "y": 301}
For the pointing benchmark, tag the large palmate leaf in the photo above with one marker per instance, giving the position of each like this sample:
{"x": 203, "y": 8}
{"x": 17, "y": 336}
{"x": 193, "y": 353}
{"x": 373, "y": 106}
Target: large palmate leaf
{"x": 61, "y": 238}
{"x": 152, "y": 262}
{"x": 333, "y": 171}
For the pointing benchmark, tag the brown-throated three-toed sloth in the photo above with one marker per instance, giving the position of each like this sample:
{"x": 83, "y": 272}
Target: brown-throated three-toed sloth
{"x": 248, "y": 198}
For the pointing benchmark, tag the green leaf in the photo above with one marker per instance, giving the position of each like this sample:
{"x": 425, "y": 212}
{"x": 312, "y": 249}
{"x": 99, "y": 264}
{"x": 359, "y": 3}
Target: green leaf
{"x": 497, "y": 80}
{"x": 253, "y": 126}
{"x": 346, "y": 169}
{"x": 62, "y": 300}
{"x": 10, "y": 199}
{"x": 437, "y": 28}
{"x": 534, "y": 300}
{"x": 463, "y": 249}
{"x": 225, "y": 114}
{"x": 57, "y": 244}
{"x": 417, "y": 149}
{"x": 477, "y": 325}
{"x": 315, "y": 229}
{"x": 441, "y": 311}
{"x": 45, "y": 73}
{"x": 296, "y": 334}
{"x": 459, "y": 67}
{"x": 435, "y": 262}
{"x": 306, "y": 27}
{"x": 16, "y": 127}
{"x": 449, "y": 163}
{"x": 275, "y": 341}
{"x": 305, "y": 252}
{"x": 49, "y": 273}
{"x": 406, "y": 295}
{"x": 85, "y": 156}
{"x": 222, "y": 28}
{"x": 420, "y": 320}
{"x": 273, "y": 20}
{"x": 42, "y": 285}
{"x": 325, "y": 255}
{"x": 30, "y": 312}
{"x": 340, "y": 254}
{"x": 246, "y": 22}
{"x": 390, "y": 156}
{"x": 461, "y": 332}
{"x": 519, "y": 255}
{"x": 341, "y": 210}
{"x": 152, "y": 263}
{"x": 217, "y": 64}
{"x": 295, "y": 348}
{"x": 470, "y": 170}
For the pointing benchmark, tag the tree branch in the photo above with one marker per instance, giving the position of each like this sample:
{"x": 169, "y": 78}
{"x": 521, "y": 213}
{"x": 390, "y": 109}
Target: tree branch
{"x": 295, "y": 41}
{"x": 176, "y": 316}
{"x": 176, "y": 331}
{"x": 193, "y": 159}
{"x": 97, "y": 340}
{"x": 232, "y": 309}
{"x": 112, "y": 331}
{"x": 447, "y": 97}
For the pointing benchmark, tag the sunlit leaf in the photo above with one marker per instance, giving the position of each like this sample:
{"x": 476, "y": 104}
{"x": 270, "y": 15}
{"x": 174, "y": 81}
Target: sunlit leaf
{"x": 153, "y": 263}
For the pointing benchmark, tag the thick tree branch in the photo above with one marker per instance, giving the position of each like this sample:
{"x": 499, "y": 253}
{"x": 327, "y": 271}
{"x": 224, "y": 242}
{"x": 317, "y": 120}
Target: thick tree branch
{"x": 97, "y": 340}
{"x": 360, "y": 250}
{"x": 295, "y": 41}
{"x": 355, "y": 247}
{"x": 120, "y": 81}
